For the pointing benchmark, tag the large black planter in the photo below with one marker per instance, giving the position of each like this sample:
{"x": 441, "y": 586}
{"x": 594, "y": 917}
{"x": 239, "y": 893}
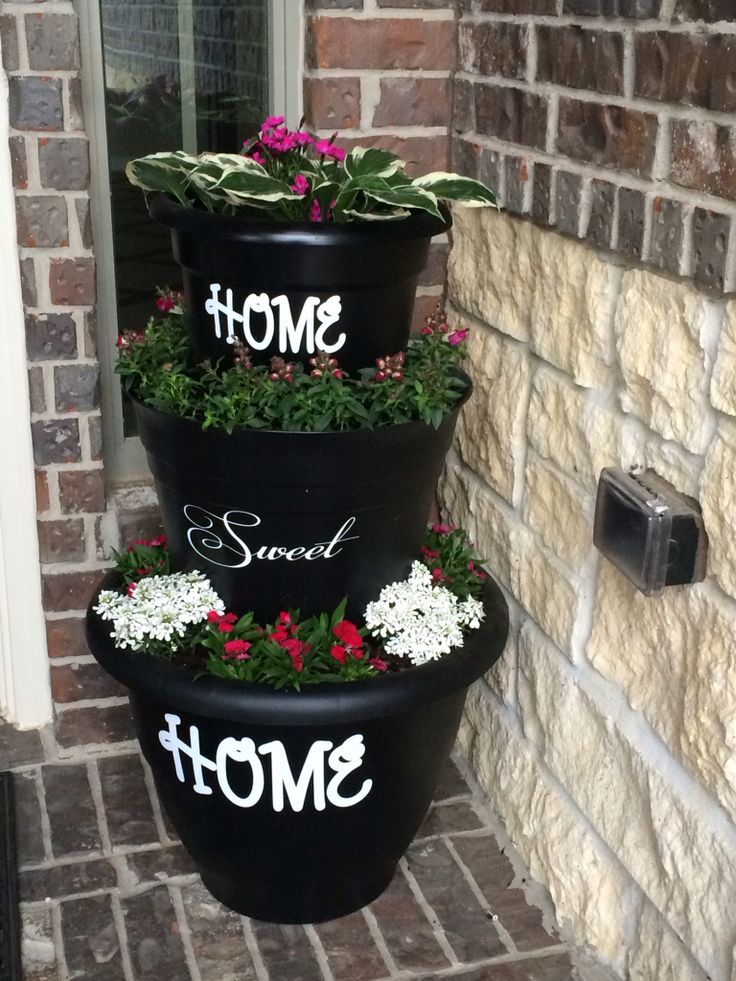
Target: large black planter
{"x": 286, "y": 289}
{"x": 296, "y": 806}
{"x": 278, "y": 519}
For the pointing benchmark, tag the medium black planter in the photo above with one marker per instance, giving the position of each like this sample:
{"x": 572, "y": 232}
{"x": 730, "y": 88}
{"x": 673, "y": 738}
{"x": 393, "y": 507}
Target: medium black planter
{"x": 296, "y": 806}
{"x": 298, "y": 520}
{"x": 287, "y": 289}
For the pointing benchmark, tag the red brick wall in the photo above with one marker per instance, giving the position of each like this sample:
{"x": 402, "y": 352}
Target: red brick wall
{"x": 610, "y": 120}
{"x": 381, "y": 72}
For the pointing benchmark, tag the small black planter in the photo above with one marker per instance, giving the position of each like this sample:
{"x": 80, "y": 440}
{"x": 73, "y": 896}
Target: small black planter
{"x": 296, "y": 806}
{"x": 299, "y": 520}
{"x": 347, "y": 288}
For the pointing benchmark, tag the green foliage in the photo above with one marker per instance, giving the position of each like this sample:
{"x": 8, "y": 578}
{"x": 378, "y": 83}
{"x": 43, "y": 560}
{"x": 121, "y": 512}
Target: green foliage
{"x": 451, "y": 559}
{"x": 143, "y": 558}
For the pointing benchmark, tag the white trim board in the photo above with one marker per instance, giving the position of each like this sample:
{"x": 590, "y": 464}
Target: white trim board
{"x": 25, "y": 693}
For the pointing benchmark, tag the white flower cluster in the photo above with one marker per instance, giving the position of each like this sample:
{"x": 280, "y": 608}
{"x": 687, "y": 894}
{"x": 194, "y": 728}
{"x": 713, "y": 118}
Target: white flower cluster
{"x": 421, "y": 621}
{"x": 160, "y": 608}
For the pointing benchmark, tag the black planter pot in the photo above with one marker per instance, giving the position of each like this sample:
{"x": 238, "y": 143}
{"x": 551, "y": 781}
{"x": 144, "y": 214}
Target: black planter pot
{"x": 298, "y": 520}
{"x": 348, "y": 288}
{"x": 296, "y": 806}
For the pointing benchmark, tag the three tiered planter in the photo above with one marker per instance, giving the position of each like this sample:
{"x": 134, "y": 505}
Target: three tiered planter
{"x": 297, "y": 805}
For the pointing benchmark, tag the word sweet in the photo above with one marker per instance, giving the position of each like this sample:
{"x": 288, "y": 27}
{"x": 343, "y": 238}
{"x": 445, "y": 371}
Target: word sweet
{"x": 323, "y": 756}
{"x": 216, "y": 537}
{"x": 277, "y": 321}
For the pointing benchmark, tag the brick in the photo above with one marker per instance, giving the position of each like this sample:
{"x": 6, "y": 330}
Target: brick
{"x": 56, "y": 441}
{"x": 64, "y": 591}
{"x": 139, "y": 523}
{"x": 64, "y": 163}
{"x": 704, "y": 156}
{"x": 28, "y": 819}
{"x": 449, "y": 818}
{"x": 423, "y": 307}
{"x": 84, "y": 222}
{"x": 631, "y": 218}
{"x": 413, "y": 102}
{"x": 53, "y": 42}
{"x": 436, "y": 268}
{"x": 391, "y": 43}
{"x": 424, "y": 153}
{"x": 51, "y": 337}
{"x": 82, "y": 491}
{"x": 608, "y": 136}
{"x": 217, "y": 937}
{"x": 77, "y": 387}
{"x": 61, "y": 541}
{"x": 408, "y": 934}
{"x": 707, "y": 10}
{"x": 334, "y": 4}
{"x": 538, "y": 7}
{"x": 35, "y": 103}
{"x": 71, "y": 879}
{"x": 541, "y": 199}
{"x": 463, "y": 106}
{"x": 66, "y": 638}
{"x": 76, "y": 106}
{"x": 581, "y": 59}
{"x": 451, "y": 784}
{"x": 9, "y": 43}
{"x": 500, "y": 49}
{"x": 351, "y": 951}
{"x": 94, "y": 425}
{"x": 71, "y": 810}
{"x": 18, "y": 161}
{"x": 465, "y": 157}
{"x": 424, "y": 4}
{"x": 567, "y": 197}
{"x": 127, "y": 803}
{"x": 72, "y": 282}
{"x": 39, "y": 949}
{"x": 469, "y": 931}
{"x": 667, "y": 230}
{"x": 710, "y": 246}
{"x": 511, "y": 115}
{"x": 90, "y": 334}
{"x": 28, "y": 282}
{"x": 42, "y": 491}
{"x": 91, "y": 942}
{"x": 19, "y": 746}
{"x": 160, "y": 864}
{"x": 640, "y": 9}
{"x": 694, "y": 69}
{"x": 600, "y": 226}
{"x": 42, "y": 221}
{"x": 517, "y": 175}
{"x": 94, "y": 725}
{"x": 286, "y": 952}
{"x": 36, "y": 390}
{"x": 332, "y": 103}
{"x": 73, "y": 682}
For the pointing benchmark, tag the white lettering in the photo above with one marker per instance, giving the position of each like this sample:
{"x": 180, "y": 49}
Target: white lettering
{"x": 328, "y": 313}
{"x": 322, "y": 755}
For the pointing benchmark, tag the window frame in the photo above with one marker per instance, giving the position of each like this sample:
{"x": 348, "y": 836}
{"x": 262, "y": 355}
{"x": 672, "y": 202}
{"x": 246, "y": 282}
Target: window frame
{"x": 125, "y": 459}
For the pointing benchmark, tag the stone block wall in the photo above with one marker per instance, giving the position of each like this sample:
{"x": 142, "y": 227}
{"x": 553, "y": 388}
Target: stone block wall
{"x": 381, "y": 72}
{"x": 610, "y": 120}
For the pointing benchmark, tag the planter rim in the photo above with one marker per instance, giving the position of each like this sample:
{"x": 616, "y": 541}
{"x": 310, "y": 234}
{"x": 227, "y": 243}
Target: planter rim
{"x": 287, "y": 434}
{"x": 237, "y": 228}
{"x": 323, "y": 704}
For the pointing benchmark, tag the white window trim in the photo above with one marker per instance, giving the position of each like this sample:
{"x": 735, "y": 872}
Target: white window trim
{"x": 25, "y": 691}
{"x": 124, "y": 457}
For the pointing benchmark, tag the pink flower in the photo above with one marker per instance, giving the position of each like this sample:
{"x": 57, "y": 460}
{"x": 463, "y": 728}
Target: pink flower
{"x": 442, "y": 529}
{"x": 315, "y": 212}
{"x": 378, "y": 664}
{"x": 429, "y": 553}
{"x": 303, "y": 139}
{"x": 457, "y": 337}
{"x": 131, "y": 588}
{"x": 237, "y": 650}
{"x": 165, "y": 303}
{"x": 270, "y": 121}
{"x": 300, "y": 185}
{"x": 327, "y": 148}
{"x": 426, "y": 331}
{"x": 258, "y": 158}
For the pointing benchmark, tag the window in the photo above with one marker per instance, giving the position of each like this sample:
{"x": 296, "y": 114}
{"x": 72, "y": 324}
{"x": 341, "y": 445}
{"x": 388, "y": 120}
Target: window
{"x": 159, "y": 75}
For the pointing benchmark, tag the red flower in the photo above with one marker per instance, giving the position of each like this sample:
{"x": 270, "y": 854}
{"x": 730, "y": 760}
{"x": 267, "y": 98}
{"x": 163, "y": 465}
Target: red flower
{"x": 131, "y": 588}
{"x": 442, "y": 529}
{"x": 339, "y": 653}
{"x": 230, "y": 618}
{"x": 237, "y": 650}
{"x": 378, "y": 664}
{"x": 429, "y": 553}
{"x": 224, "y": 627}
{"x": 348, "y": 633}
{"x": 214, "y": 617}
{"x": 285, "y": 617}
{"x": 165, "y": 303}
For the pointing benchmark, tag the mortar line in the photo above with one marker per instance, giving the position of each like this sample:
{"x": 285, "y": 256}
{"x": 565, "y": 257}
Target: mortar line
{"x": 433, "y": 919}
{"x": 184, "y": 931}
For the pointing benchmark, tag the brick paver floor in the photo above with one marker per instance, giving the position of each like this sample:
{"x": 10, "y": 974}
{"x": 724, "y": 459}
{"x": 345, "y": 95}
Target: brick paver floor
{"x": 108, "y": 893}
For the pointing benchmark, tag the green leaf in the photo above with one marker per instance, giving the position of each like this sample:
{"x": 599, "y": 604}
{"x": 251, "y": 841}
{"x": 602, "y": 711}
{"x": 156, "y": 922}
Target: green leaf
{"x": 167, "y": 172}
{"x": 239, "y": 185}
{"x": 405, "y": 197}
{"x": 452, "y": 187}
{"x": 373, "y": 162}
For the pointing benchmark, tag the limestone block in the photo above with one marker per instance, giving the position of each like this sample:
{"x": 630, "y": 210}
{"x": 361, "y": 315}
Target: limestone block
{"x": 723, "y": 383}
{"x": 656, "y": 952}
{"x": 572, "y": 308}
{"x": 588, "y": 886}
{"x": 674, "y": 656}
{"x": 492, "y": 268}
{"x": 490, "y": 434}
{"x": 666, "y": 334}
{"x": 718, "y": 500}
{"x": 569, "y": 427}
{"x": 559, "y": 511}
{"x": 552, "y": 595}
{"x": 682, "y": 856}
